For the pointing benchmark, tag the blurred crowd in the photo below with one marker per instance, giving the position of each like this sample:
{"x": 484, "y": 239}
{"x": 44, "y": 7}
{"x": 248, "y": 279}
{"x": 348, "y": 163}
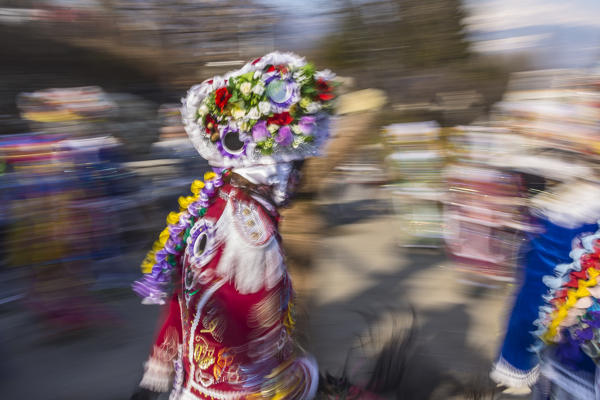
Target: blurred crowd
{"x": 471, "y": 189}
{"x": 74, "y": 202}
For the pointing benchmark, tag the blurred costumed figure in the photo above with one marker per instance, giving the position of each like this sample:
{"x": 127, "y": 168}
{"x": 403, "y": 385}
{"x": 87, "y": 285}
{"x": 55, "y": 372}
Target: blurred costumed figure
{"x": 229, "y": 325}
{"x": 552, "y": 343}
{"x": 552, "y": 339}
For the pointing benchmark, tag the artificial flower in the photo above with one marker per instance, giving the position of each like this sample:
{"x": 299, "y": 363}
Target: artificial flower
{"x": 246, "y": 88}
{"x": 257, "y": 74}
{"x": 313, "y": 107}
{"x": 238, "y": 113}
{"x": 245, "y": 126}
{"x": 264, "y": 107}
{"x": 325, "y": 75}
{"x": 259, "y": 131}
{"x": 273, "y": 128}
{"x": 283, "y": 118}
{"x": 209, "y": 124}
{"x": 300, "y": 77}
{"x": 258, "y": 89}
{"x": 203, "y": 110}
{"x": 253, "y": 113}
{"x": 307, "y": 124}
{"x": 222, "y": 97}
{"x": 304, "y": 102}
{"x": 284, "y": 136}
{"x": 324, "y": 90}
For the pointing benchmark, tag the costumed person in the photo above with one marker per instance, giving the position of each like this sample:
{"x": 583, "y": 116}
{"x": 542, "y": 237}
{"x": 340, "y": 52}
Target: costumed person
{"x": 228, "y": 329}
{"x": 552, "y": 339}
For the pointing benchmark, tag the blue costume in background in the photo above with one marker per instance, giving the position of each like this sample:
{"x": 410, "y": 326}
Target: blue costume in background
{"x": 518, "y": 364}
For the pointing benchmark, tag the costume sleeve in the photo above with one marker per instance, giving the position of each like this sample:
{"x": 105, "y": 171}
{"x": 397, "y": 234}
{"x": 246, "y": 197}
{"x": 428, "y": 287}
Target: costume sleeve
{"x": 287, "y": 373}
{"x": 159, "y": 368}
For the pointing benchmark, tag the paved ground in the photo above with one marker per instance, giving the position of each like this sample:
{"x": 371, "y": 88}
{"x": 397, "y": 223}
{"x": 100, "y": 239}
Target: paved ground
{"x": 360, "y": 274}
{"x": 363, "y": 275}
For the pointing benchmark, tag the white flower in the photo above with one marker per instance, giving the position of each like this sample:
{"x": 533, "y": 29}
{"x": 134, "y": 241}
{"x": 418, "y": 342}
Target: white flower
{"x": 238, "y": 113}
{"x": 273, "y": 128}
{"x": 244, "y": 126}
{"x": 313, "y": 107}
{"x": 203, "y": 110}
{"x": 326, "y": 75}
{"x": 296, "y": 129}
{"x": 299, "y": 76}
{"x": 298, "y": 140}
{"x": 259, "y": 89}
{"x": 231, "y": 124}
{"x": 257, "y": 74}
{"x": 253, "y": 113}
{"x": 246, "y": 88}
{"x": 264, "y": 107}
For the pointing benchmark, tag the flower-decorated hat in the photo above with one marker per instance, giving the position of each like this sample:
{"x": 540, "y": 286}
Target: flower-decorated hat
{"x": 274, "y": 109}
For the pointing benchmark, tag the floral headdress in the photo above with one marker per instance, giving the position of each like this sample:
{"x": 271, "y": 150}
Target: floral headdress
{"x": 274, "y": 109}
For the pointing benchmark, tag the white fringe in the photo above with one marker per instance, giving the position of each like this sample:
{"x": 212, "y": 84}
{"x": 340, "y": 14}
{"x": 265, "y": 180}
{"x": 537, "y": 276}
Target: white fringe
{"x": 506, "y": 374}
{"x": 249, "y": 266}
{"x": 157, "y": 375}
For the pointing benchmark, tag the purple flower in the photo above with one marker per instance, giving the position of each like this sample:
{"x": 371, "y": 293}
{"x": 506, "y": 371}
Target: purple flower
{"x": 284, "y": 136}
{"x": 260, "y": 132}
{"x": 307, "y": 124}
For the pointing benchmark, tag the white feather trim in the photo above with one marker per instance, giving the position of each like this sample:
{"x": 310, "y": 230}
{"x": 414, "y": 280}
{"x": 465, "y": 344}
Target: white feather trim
{"x": 249, "y": 266}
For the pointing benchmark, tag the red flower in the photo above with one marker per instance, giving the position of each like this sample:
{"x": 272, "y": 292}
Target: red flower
{"x": 325, "y": 96}
{"x": 324, "y": 90}
{"x": 222, "y": 96}
{"x": 281, "y": 68}
{"x": 323, "y": 86}
{"x": 256, "y": 61}
{"x": 281, "y": 119}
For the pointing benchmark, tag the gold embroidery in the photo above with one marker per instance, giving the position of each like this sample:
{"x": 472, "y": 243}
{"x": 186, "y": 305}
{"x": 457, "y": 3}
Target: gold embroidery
{"x": 213, "y": 324}
{"x": 203, "y": 353}
{"x": 224, "y": 360}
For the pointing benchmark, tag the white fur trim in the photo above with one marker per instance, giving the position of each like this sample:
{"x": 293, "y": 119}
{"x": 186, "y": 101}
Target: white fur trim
{"x": 572, "y": 205}
{"x": 250, "y": 266}
{"x": 157, "y": 375}
{"x": 506, "y": 374}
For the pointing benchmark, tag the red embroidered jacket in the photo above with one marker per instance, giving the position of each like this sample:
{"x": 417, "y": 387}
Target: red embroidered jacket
{"x": 227, "y": 332}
